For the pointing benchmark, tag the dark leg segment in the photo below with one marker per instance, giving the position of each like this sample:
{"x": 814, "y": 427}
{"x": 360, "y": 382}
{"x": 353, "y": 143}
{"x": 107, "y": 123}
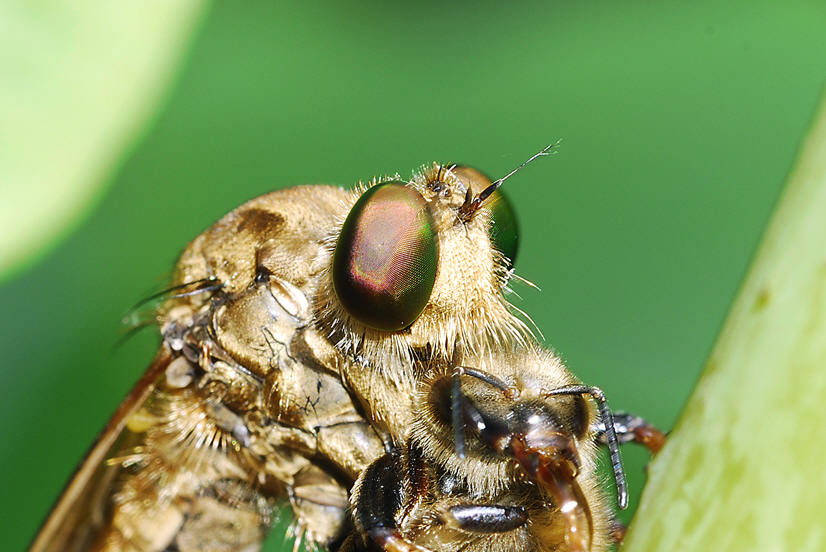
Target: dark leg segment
{"x": 379, "y": 501}
{"x": 632, "y": 428}
{"x": 487, "y": 519}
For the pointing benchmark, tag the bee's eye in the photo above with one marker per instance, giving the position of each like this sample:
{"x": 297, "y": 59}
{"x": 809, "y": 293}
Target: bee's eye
{"x": 384, "y": 265}
{"x": 504, "y": 230}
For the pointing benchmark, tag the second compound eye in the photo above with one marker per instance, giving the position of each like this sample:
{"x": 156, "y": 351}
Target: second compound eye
{"x": 385, "y": 261}
{"x": 504, "y": 228}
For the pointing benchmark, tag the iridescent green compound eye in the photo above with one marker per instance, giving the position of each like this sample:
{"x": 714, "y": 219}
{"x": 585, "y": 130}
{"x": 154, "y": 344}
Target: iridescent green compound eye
{"x": 385, "y": 261}
{"x": 504, "y": 229}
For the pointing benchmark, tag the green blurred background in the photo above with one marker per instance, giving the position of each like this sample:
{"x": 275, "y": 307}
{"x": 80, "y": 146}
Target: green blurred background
{"x": 679, "y": 122}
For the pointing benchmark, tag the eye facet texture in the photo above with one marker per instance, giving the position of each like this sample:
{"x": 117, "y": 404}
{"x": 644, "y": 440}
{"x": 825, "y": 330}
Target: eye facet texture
{"x": 385, "y": 261}
{"x": 504, "y": 230}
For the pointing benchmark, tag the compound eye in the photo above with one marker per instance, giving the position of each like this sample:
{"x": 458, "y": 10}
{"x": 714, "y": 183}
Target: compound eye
{"x": 384, "y": 265}
{"x": 504, "y": 229}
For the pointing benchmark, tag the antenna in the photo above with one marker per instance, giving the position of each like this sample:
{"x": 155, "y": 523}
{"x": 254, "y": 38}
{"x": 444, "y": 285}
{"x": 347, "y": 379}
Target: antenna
{"x": 607, "y": 419}
{"x": 472, "y": 205}
{"x": 492, "y": 188}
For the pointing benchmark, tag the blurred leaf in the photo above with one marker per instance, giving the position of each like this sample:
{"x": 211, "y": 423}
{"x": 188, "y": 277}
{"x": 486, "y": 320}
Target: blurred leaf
{"x": 78, "y": 81}
{"x": 743, "y": 469}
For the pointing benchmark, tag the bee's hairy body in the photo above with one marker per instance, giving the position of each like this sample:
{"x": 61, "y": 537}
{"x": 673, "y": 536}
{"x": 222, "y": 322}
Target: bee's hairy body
{"x": 434, "y": 486}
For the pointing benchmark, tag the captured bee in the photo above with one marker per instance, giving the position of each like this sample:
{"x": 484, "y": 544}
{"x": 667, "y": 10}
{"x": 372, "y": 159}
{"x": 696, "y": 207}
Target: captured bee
{"x": 499, "y": 457}
{"x": 295, "y": 334}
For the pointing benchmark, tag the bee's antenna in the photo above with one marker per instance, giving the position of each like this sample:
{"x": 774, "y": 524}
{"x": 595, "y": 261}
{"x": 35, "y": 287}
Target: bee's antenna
{"x": 607, "y": 419}
{"x": 457, "y": 418}
{"x": 490, "y": 379}
{"x": 458, "y": 408}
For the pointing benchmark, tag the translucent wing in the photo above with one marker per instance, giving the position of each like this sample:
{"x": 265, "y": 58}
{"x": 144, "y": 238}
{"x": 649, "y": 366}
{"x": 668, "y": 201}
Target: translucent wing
{"x": 79, "y": 515}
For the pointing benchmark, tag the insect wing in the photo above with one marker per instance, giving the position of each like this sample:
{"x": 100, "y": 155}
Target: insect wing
{"x": 78, "y": 515}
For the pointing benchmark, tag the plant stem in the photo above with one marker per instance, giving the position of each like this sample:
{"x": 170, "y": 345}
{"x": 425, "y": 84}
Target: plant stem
{"x": 745, "y": 467}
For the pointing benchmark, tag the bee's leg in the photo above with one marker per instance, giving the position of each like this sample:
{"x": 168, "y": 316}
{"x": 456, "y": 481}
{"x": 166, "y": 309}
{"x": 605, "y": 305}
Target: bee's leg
{"x": 632, "y": 428}
{"x": 320, "y": 505}
{"x": 377, "y": 498}
{"x": 483, "y": 519}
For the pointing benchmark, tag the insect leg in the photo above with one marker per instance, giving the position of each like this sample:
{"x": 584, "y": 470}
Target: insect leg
{"x": 484, "y": 519}
{"x": 320, "y": 505}
{"x": 607, "y": 426}
{"x": 377, "y": 499}
{"x": 631, "y": 428}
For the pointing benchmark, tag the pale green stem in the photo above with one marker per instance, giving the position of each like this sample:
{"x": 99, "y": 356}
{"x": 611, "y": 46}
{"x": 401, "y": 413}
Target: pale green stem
{"x": 745, "y": 467}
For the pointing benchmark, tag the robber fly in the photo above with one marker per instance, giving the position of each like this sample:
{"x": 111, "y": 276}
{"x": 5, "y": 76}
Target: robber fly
{"x": 500, "y": 456}
{"x": 295, "y": 336}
